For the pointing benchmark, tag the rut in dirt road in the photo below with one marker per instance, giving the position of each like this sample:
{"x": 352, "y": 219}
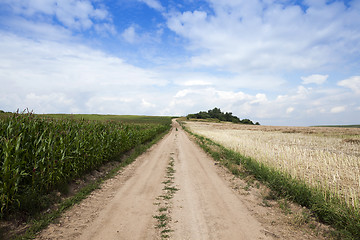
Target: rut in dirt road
{"x": 203, "y": 206}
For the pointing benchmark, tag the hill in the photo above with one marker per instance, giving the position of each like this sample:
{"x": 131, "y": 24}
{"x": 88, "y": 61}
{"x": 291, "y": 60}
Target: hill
{"x": 217, "y": 114}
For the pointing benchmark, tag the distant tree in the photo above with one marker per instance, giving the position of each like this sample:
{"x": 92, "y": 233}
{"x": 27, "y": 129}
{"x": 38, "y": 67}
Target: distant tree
{"x": 203, "y": 115}
{"x": 191, "y": 116}
{"x": 247, "y": 121}
{"x": 217, "y": 114}
{"x": 228, "y": 116}
{"x": 236, "y": 119}
{"x": 1, "y": 111}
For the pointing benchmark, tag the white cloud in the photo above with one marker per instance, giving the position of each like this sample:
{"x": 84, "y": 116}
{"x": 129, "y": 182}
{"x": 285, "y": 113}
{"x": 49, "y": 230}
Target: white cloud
{"x": 353, "y": 83}
{"x": 129, "y": 34}
{"x": 51, "y": 102}
{"x": 302, "y": 93}
{"x": 107, "y": 104}
{"x": 56, "y": 77}
{"x": 59, "y": 77}
{"x": 134, "y": 34}
{"x": 196, "y": 83}
{"x": 199, "y": 99}
{"x": 315, "y": 78}
{"x": 212, "y": 94}
{"x": 105, "y": 29}
{"x": 260, "y": 98}
{"x": 75, "y": 64}
{"x": 228, "y": 81}
{"x": 263, "y": 36}
{"x": 49, "y": 70}
{"x": 31, "y": 7}
{"x": 338, "y": 109}
{"x": 73, "y": 14}
{"x": 229, "y": 95}
{"x": 147, "y": 104}
{"x": 290, "y": 110}
{"x": 315, "y": 3}
{"x": 41, "y": 30}
{"x": 182, "y": 93}
{"x": 155, "y": 4}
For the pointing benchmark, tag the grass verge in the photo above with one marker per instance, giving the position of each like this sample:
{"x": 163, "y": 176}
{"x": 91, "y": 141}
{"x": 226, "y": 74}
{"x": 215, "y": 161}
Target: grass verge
{"x": 42, "y": 221}
{"x": 327, "y": 207}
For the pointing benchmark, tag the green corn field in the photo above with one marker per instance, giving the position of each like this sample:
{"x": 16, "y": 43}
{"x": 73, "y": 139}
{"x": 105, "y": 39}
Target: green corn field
{"x": 38, "y": 154}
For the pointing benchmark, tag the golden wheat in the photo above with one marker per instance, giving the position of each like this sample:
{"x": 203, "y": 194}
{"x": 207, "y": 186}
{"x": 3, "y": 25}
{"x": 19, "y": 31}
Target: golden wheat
{"x": 323, "y": 157}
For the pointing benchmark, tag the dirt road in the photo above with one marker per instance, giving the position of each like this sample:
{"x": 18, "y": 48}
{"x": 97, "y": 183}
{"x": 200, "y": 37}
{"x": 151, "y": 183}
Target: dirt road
{"x": 203, "y": 207}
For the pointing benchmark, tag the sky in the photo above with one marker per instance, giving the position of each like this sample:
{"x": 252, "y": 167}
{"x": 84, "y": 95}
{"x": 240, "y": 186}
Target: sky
{"x": 277, "y": 62}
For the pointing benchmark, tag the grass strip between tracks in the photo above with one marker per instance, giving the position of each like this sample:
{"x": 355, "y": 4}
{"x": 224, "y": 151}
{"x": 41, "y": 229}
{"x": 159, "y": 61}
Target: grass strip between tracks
{"x": 164, "y": 201}
{"x": 41, "y": 222}
{"x": 327, "y": 207}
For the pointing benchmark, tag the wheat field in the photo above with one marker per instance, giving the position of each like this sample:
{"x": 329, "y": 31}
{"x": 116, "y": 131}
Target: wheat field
{"x": 328, "y": 158}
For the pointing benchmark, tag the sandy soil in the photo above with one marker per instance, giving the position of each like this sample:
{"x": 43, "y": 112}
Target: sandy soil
{"x": 210, "y": 203}
{"x": 205, "y": 207}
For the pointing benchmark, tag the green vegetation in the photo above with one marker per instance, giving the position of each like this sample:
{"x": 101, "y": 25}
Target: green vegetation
{"x": 40, "y": 222}
{"x": 326, "y": 206}
{"x": 220, "y": 116}
{"x": 164, "y": 206}
{"x": 117, "y": 118}
{"x": 4, "y": 114}
{"x": 39, "y": 154}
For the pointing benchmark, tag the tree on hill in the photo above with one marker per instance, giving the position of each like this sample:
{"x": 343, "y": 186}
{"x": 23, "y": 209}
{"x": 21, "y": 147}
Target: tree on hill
{"x": 217, "y": 114}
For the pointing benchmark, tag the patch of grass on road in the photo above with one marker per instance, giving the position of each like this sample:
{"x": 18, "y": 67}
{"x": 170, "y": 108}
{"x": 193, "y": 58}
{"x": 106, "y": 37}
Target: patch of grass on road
{"x": 163, "y": 218}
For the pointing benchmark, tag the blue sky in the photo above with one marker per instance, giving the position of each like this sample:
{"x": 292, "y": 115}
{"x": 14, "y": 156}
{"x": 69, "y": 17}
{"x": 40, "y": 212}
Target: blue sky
{"x": 279, "y": 62}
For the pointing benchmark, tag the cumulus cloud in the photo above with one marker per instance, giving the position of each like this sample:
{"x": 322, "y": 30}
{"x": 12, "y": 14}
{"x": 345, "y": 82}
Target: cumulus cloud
{"x": 41, "y": 30}
{"x": 147, "y": 104}
{"x": 260, "y": 98}
{"x": 41, "y": 69}
{"x": 338, "y": 109}
{"x": 199, "y": 99}
{"x": 155, "y": 4}
{"x": 290, "y": 110}
{"x": 57, "y": 77}
{"x": 256, "y": 81}
{"x": 196, "y": 83}
{"x": 315, "y": 78}
{"x": 135, "y": 34}
{"x": 106, "y": 103}
{"x": 72, "y": 14}
{"x": 129, "y": 34}
{"x": 269, "y": 35}
{"x": 353, "y": 83}
{"x": 50, "y": 102}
